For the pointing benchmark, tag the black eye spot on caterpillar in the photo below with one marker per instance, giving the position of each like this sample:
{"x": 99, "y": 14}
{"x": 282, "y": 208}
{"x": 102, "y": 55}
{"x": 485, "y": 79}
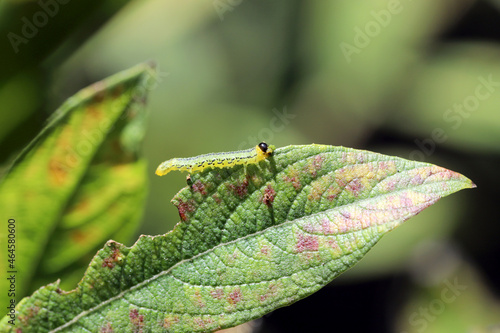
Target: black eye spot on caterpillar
{"x": 218, "y": 160}
{"x": 263, "y": 146}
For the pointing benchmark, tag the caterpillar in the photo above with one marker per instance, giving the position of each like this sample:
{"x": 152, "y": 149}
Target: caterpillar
{"x": 217, "y": 160}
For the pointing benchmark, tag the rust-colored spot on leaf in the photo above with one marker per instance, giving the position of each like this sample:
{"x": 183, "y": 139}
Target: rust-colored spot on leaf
{"x": 198, "y": 299}
{"x": 217, "y": 198}
{"x": 108, "y": 263}
{"x": 108, "y": 328}
{"x": 32, "y": 312}
{"x": 137, "y": 320}
{"x": 198, "y": 186}
{"x": 115, "y": 257}
{"x": 93, "y": 110}
{"x": 235, "y": 296}
{"x": 170, "y": 320}
{"x": 185, "y": 207}
{"x": 269, "y": 194}
{"x": 58, "y": 172}
{"x": 78, "y": 236}
{"x": 241, "y": 189}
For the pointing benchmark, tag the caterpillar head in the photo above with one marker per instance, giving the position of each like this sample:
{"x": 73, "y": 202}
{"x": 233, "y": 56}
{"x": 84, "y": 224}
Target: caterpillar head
{"x": 264, "y": 150}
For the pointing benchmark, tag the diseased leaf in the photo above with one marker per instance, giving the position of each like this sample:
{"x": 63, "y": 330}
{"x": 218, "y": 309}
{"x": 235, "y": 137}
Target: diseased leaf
{"x": 79, "y": 182}
{"x": 250, "y": 240}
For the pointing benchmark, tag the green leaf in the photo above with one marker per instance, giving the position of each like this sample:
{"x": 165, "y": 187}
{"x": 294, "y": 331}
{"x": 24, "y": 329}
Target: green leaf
{"x": 250, "y": 240}
{"x": 79, "y": 182}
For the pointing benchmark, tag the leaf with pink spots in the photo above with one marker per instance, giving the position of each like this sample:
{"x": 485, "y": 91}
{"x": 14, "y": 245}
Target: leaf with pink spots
{"x": 251, "y": 239}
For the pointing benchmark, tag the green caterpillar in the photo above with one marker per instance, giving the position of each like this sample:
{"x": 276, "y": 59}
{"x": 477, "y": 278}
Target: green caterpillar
{"x": 217, "y": 160}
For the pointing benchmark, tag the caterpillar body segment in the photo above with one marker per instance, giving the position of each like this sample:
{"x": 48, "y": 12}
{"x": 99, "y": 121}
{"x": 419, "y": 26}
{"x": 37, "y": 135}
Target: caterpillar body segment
{"x": 217, "y": 160}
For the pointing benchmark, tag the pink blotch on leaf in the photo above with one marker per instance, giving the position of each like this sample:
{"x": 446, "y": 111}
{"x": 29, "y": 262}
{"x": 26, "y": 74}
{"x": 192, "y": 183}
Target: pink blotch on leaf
{"x": 235, "y": 296}
{"x": 315, "y": 166}
{"x": 202, "y": 322}
{"x": 310, "y": 228}
{"x": 272, "y": 291}
{"x": 355, "y": 187}
{"x": 332, "y": 192}
{"x": 264, "y": 249}
{"x": 293, "y": 177}
{"x": 218, "y": 293}
{"x": 328, "y": 227}
{"x": 333, "y": 244}
{"x": 390, "y": 185}
{"x": 307, "y": 243}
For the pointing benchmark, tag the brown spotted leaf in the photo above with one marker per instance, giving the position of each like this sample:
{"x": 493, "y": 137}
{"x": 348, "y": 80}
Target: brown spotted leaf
{"x": 79, "y": 183}
{"x": 250, "y": 240}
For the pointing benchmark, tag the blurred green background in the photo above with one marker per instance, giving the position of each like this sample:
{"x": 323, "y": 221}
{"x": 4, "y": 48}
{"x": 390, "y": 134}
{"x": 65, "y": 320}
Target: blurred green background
{"x": 416, "y": 79}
